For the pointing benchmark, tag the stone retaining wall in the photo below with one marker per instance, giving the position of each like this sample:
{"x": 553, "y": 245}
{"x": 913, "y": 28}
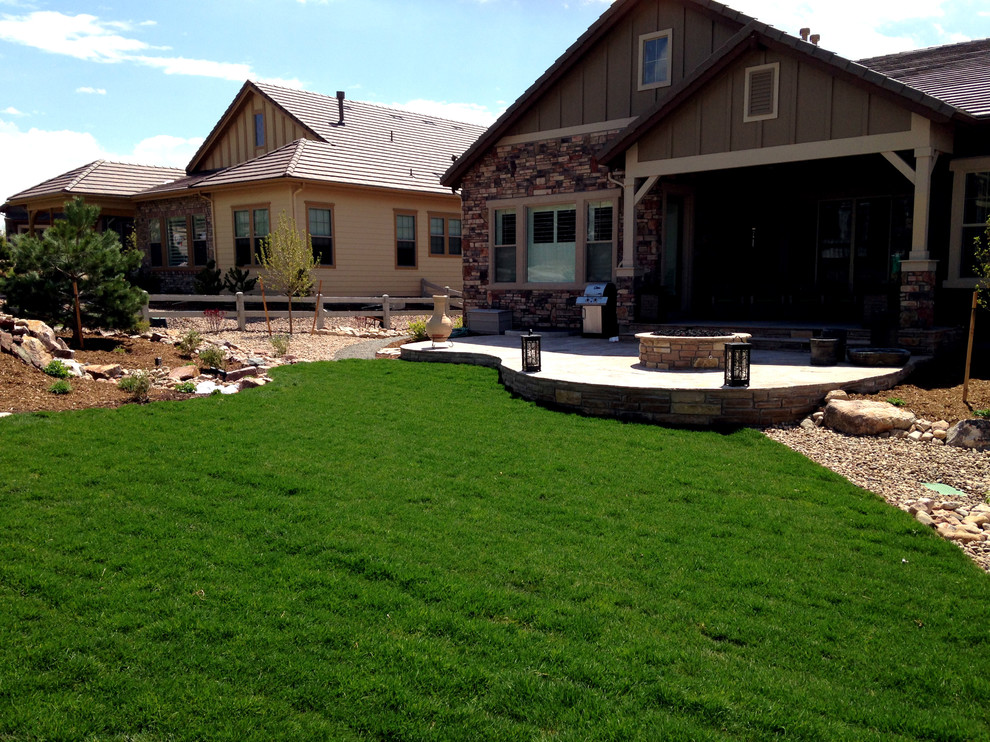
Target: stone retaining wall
{"x": 693, "y": 408}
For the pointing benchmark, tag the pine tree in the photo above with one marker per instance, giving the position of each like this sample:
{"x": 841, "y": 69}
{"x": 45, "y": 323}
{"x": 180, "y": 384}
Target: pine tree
{"x": 47, "y": 270}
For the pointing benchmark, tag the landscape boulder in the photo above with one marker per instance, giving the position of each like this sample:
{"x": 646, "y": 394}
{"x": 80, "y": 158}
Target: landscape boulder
{"x": 109, "y": 371}
{"x": 184, "y": 373}
{"x": 866, "y": 417}
{"x": 970, "y": 434}
{"x": 36, "y": 353}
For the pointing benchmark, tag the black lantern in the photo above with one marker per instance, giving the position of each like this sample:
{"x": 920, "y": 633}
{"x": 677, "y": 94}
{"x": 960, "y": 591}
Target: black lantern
{"x": 737, "y": 364}
{"x": 530, "y": 352}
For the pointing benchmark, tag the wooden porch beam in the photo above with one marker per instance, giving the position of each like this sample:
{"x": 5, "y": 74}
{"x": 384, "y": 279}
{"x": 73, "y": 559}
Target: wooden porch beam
{"x": 902, "y": 167}
{"x": 646, "y": 188}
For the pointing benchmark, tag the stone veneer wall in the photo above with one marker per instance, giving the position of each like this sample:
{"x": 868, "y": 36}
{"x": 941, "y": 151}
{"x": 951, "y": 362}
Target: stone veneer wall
{"x": 917, "y": 300}
{"x": 173, "y": 280}
{"x": 692, "y": 408}
{"x": 547, "y": 167}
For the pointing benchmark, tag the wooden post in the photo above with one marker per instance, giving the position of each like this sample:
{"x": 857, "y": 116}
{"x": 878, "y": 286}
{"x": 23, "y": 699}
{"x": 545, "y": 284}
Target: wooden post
{"x": 316, "y": 310}
{"x": 386, "y": 312}
{"x": 264, "y": 302}
{"x": 75, "y": 290}
{"x": 241, "y": 317}
{"x": 146, "y": 309}
{"x": 321, "y": 321}
{"x": 969, "y": 347}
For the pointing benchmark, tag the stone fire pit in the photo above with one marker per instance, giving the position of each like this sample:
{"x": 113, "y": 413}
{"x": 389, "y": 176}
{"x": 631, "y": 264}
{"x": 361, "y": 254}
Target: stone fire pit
{"x": 690, "y": 349}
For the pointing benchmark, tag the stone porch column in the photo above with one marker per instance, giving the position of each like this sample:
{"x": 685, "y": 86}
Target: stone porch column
{"x": 917, "y": 303}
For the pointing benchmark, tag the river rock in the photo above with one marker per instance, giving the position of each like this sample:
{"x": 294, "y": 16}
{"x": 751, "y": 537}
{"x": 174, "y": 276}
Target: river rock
{"x": 970, "y": 434}
{"x": 866, "y": 417}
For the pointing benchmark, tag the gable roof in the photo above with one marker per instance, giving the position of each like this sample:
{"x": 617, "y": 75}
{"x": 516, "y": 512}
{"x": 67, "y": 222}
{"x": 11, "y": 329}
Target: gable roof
{"x": 375, "y": 146}
{"x": 958, "y": 74}
{"x": 452, "y": 177}
{"x": 756, "y": 34}
{"x": 102, "y": 178}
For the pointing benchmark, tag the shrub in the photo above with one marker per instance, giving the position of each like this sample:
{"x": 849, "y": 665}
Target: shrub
{"x": 186, "y": 387}
{"x": 238, "y": 280}
{"x": 214, "y": 319}
{"x": 57, "y": 369}
{"x": 207, "y": 281}
{"x": 138, "y": 385}
{"x": 896, "y": 401}
{"x": 120, "y": 350}
{"x": 60, "y": 387}
{"x": 189, "y": 342}
{"x": 213, "y": 357}
{"x": 981, "y": 413}
{"x": 417, "y": 329}
{"x": 280, "y": 344}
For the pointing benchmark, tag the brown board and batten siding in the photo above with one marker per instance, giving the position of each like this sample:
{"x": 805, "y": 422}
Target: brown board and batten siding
{"x": 236, "y": 144}
{"x": 814, "y": 107}
{"x": 604, "y": 84}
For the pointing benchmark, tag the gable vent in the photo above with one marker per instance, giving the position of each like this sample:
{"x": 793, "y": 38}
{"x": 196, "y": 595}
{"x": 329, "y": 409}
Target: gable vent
{"x": 761, "y": 92}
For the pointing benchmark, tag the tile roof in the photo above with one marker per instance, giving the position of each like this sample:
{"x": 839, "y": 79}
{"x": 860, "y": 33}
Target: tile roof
{"x": 104, "y": 179}
{"x": 958, "y": 74}
{"x": 375, "y": 146}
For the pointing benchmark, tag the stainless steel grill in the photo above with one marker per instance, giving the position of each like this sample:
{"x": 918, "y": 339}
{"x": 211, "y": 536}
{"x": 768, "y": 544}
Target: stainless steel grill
{"x": 599, "y": 317}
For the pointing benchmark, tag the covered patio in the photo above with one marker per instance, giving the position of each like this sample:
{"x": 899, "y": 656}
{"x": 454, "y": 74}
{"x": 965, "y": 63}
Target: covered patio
{"x": 596, "y": 377}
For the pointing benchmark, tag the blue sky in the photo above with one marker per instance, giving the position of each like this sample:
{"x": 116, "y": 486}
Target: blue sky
{"x": 145, "y": 81}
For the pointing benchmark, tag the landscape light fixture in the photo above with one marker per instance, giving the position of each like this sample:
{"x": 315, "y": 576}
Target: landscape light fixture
{"x": 531, "y": 360}
{"x": 737, "y": 358}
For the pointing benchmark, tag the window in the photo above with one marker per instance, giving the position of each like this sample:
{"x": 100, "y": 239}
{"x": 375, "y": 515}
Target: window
{"x": 182, "y": 243}
{"x": 563, "y": 240}
{"x": 155, "y": 242}
{"x": 405, "y": 240}
{"x": 970, "y": 210}
{"x": 552, "y": 242}
{"x": 445, "y": 235}
{"x": 321, "y": 233}
{"x": 505, "y": 246}
{"x": 250, "y": 228}
{"x": 259, "y": 130}
{"x": 654, "y": 60}
{"x": 598, "y": 261}
{"x": 762, "y": 84}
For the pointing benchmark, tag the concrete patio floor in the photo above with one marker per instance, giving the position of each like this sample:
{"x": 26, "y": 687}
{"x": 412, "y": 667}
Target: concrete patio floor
{"x": 594, "y": 376}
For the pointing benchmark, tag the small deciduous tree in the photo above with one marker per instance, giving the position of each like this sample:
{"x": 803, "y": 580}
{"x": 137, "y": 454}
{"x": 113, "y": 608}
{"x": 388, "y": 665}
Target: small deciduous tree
{"x": 288, "y": 259}
{"x": 47, "y": 272}
{"x": 981, "y": 266}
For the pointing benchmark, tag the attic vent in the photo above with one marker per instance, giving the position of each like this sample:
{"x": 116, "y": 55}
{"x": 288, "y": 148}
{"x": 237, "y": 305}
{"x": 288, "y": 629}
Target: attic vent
{"x": 397, "y": 116}
{"x": 431, "y": 123}
{"x": 762, "y": 89}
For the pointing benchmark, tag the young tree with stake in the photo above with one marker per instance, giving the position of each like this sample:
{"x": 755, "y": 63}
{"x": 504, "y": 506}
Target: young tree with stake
{"x": 288, "y": 260}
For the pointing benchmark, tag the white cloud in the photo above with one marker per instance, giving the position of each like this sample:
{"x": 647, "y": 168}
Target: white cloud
{"x": 34, "y": 155}
{"x": 11, "y": 111}
{"x": 86, "y": 37}
{"x": 469, "y": 113}
{"x": 854, "y": 28}
{"x": 91, "y": 91}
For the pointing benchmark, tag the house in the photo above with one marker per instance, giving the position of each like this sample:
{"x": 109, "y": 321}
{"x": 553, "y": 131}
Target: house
{"x": 716, "y": 168}
{"x": 363, "y": 180}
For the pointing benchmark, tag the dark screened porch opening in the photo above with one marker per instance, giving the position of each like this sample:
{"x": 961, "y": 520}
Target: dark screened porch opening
{"x": 810, "y": 242}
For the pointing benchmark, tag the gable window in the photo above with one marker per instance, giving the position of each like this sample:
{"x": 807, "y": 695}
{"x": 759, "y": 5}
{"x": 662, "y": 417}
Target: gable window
{"x": 970, "y": 210}
{"x": 320, "y": 220}
{"x": 259, "y": 130}
{"x": 504, "y": 247}
{"x": 654, "y": 60}
{"x": 761, "y": 94}
{"x": 405, "y": 240}
{"x": 178, "y": 241}
{"x": 445, "y": 235}
{"x": 250, "y": 228}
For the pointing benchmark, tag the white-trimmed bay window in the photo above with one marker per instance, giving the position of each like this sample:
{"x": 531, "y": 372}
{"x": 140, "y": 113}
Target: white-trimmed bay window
{"x": 654, "y": 60}
{"x": 970, "y": 210}
{"x": 553, "y": 241}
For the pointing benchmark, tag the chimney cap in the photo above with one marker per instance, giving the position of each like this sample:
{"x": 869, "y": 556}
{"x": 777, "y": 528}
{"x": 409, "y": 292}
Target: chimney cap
{"x": 804, "y": 32}
{"x": 815, "y": 38}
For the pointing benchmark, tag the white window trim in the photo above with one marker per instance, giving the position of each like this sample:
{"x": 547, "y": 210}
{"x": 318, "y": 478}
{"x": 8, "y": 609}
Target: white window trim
{"x": 522, "y": 207}
{"x": 960, "y": 169}
{"x": 775, "y": 66}
{"x": 669, "y": 34}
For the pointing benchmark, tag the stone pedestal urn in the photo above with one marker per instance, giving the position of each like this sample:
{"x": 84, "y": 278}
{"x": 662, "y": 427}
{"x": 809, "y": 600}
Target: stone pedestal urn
{"x": 439, "y": 326}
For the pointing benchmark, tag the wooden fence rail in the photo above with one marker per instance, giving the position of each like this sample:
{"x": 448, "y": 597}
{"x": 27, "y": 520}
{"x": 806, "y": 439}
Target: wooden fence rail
{"x": 384, "y": 306}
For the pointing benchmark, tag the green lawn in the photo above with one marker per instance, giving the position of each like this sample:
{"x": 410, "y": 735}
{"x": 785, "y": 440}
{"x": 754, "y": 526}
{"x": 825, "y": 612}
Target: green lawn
{"x": 384, "y": 550}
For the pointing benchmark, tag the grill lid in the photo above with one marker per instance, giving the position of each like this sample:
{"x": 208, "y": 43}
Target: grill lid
{"x": 592, "y": 301}
{"x": 595, "y": 289}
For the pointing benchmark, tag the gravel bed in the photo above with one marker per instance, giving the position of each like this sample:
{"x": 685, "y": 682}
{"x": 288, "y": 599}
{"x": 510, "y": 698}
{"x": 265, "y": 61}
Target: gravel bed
{"x": 896, "y": 469}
